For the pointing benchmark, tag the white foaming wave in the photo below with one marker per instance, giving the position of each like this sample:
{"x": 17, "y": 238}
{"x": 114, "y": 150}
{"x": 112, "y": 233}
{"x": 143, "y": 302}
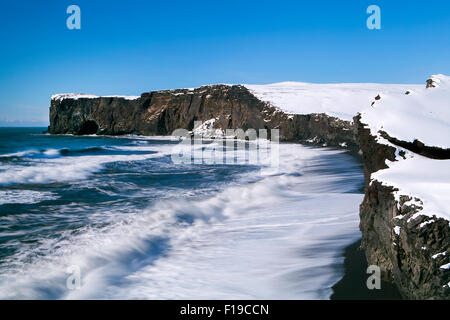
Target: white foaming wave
{"x": 278, "y": 256}
{"x": 52, "y": 152}
{"x": 25, "y": 196}
{"x": 280, "y": 240}
{"x": 66, "y": 169}
{"x": 31, "y": 153}
{"x": 55, "y": 169}
{"x": 207, "y": 156}
{"x": 20, "y": 154}
{"x": 60, "y": 170}
{"x": 270, "y": 239}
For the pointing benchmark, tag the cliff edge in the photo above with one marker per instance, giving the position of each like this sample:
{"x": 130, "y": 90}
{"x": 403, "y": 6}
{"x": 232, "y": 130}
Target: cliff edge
{"x": 404, "y": 215}
{"x": 222, "y": 106}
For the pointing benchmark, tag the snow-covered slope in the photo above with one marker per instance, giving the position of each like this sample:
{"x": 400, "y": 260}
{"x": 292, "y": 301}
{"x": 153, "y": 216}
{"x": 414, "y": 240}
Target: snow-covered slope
{"x": 423, "y": 178}
{"x": 424, "y": 114}
{"x": 342, "y": 100}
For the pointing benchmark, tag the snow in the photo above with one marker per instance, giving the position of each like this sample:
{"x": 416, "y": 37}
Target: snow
{"x": 421, "y": 177}
{"x": 397, "y": 230}
{"x": 423, "y": 224}
{"x": 439, "y": 254}
{"x": 446, "y": 266}
{"x": 342, "y": 100}
{"x": 76, "y": 96}
{"x": 206, "y": 129}
{"x": 424, "y": 114}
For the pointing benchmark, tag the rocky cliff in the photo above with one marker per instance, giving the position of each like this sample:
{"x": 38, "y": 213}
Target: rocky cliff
{"x": 161, "y": 112}
{"x": 404, "y": 215}
{"x": 410, "y": 248}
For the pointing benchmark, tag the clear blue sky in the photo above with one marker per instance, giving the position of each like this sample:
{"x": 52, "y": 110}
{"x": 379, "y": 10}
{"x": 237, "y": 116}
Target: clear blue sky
{"x": 128, "y": 47}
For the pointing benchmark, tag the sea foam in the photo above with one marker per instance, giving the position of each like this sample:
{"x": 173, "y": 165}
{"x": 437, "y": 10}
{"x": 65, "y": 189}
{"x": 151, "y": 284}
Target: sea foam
{"x": 279, "y": 236}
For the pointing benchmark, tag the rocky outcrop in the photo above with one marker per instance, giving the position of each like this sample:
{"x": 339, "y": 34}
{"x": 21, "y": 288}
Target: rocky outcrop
{"x": 418, "y": 147}
{"x": 161, "y": 112}
{"x": 158, "y": 112}
{"x": 395, "y": 236}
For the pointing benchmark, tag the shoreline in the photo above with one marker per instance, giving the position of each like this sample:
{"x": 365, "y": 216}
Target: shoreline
{"x": 352, "y": 286}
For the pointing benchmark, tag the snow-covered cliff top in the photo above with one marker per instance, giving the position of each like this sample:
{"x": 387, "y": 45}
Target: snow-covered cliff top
{"x": 76, "y": 96}
{"x": 342, "y": 100}
{"x": 424, "y": 114}
{"x": 423, "y": 178}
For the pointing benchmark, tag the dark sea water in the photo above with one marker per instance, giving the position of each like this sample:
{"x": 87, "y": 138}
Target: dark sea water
{"x": 136, "y": 225}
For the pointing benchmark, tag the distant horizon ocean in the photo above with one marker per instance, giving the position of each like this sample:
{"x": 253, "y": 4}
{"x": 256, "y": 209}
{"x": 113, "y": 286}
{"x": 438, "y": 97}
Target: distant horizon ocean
{"x": 7, "y": 125}
{"x": 137, "y": 226}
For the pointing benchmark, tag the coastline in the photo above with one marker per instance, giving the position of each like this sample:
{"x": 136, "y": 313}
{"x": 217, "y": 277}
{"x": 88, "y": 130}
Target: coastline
{"x": 352, "y": 286}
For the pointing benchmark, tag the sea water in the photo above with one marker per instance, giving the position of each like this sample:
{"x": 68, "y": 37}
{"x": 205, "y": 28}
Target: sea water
{"x": 136, "y": 225}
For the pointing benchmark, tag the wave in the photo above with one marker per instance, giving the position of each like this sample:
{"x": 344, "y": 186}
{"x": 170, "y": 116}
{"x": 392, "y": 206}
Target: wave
{"x": 61, "y": 169}
{"x": 61, "y": 165}
{"x": 54, "y": 153}
{"x": 66, "y": 165}
{"x": 278, "y": 237}
{"x": 26, "y": 153}
{"x": 25, "y": 196}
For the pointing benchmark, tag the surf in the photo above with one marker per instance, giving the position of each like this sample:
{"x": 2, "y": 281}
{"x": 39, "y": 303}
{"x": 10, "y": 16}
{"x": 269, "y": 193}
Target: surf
{"x": 215, "y": 232}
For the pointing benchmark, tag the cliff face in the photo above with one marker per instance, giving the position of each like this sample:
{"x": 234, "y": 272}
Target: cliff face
{"x": 161, "y": 112}
{"x": 395, "y": 236}
{"x": 157, "y": 113}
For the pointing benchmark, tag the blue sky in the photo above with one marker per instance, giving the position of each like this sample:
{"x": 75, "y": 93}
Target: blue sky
{"x": 129, "y": 47}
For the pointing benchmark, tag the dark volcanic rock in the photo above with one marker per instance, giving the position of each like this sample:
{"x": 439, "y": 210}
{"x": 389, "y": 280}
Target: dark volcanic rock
{"x": 161, "y": 112}
{"x": 419, "y": 147}
{"x": 406, "y": 258}
{"x": 431, "y": 83}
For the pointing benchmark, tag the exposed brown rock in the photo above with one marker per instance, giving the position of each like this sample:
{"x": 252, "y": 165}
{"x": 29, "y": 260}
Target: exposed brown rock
{"x": 419, "y": 147}
{"x": 431, "y": 83}
{"x": 161, "y": 112}
{"x": 405, "y": 259}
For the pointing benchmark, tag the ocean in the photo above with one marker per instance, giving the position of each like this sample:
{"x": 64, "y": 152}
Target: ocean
{"x": 117, "y": 217}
